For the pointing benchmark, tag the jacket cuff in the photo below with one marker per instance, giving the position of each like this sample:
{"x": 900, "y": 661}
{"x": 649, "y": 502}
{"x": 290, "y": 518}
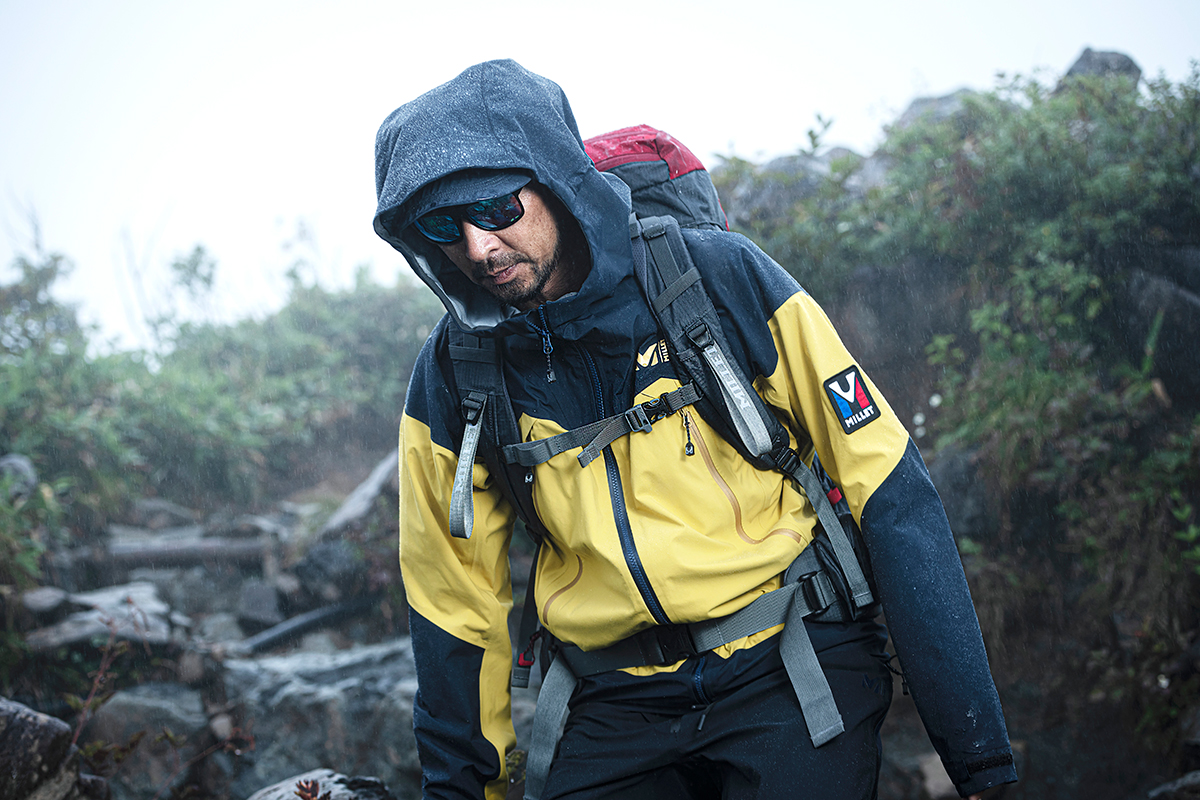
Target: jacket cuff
{"x": 982, "y": 772}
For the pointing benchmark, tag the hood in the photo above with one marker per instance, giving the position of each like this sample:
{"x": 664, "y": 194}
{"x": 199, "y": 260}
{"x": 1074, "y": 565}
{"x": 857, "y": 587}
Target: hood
{"x": 495, "y": 115}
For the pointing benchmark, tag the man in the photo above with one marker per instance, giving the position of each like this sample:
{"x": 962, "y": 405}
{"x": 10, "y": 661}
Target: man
{"x": 485, "y": 188}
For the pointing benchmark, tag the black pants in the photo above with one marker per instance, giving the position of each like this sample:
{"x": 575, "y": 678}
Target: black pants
{"x": 720, "y": 728}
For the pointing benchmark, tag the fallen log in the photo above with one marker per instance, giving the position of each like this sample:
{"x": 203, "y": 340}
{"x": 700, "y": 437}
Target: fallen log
{"x": 188, "y": 552}
{"x": 302, "y": 623}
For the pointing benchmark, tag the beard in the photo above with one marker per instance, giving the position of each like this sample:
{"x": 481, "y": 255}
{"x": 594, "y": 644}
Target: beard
{"x": 517, "y": 292}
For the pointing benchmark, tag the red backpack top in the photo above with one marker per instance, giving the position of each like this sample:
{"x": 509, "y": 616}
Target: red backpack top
{"x": 662, "y": 174}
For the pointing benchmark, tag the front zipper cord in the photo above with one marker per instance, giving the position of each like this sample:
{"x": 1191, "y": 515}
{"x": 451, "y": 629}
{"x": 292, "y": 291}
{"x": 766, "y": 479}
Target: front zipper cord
{"x": 547, "y": 346}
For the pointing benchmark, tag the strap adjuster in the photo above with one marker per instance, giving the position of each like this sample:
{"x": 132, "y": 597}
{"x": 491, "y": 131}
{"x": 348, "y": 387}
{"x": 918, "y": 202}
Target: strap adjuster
{"x": 666, "y": 644}
{"x": 818, "y": 591}
{"x": 472, "y": 407}
{"x": 638, "y": 419}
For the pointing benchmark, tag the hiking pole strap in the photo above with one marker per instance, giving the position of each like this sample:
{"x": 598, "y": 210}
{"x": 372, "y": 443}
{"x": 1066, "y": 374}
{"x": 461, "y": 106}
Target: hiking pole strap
{"x": 808, "y": 679}
{"x": 462, "y": 500}
{"x": 792, "y": 465}
{"x": 596, "y": 436}
{"x": 548, "y": 722}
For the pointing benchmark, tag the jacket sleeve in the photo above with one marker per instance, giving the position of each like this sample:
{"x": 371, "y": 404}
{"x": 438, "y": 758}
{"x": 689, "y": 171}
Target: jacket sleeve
{"x": 808, "y": 375}
{"x": 459, "y": 594}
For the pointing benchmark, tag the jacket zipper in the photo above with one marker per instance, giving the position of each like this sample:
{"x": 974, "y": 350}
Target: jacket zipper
{"x": 620, "y": 513}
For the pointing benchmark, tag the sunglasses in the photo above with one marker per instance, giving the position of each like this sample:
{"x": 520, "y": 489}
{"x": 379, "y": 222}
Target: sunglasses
{"x": 444, "y": 226}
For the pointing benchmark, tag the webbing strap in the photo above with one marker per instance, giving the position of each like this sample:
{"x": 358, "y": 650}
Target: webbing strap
{"x": 523, "y": 654}
{"x": 596, "y": 436}
{"x": 462, "y": 499}
{"x": 548, "y": 721}
{"x": 794, "y": 466}
{"x": 750, "y": 426}
{"x": 808, "y": 679}
{"x": 788, "y": 605}
{"x": 743, "y": 411}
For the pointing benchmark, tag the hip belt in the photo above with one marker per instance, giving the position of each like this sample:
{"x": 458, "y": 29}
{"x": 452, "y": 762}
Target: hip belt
{"x": 807, "y": 591}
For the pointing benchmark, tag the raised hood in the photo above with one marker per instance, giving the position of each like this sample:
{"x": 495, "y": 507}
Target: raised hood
{"x": 495, "y": 115}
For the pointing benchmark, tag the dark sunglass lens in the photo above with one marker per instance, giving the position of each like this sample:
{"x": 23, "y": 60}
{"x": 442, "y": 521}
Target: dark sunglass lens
{"x": 441, "y": 228}
{"x": 497, "y": 213}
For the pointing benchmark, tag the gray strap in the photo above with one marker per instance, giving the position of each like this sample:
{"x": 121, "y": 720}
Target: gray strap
{"x": 842, "y": 548}
{"x": 808, "y": 679}
{"x": 548, "y": 722}
{"x": 462, "y": 496}
{"x": 750, "y": 427}
{"x": 595, "y": 436}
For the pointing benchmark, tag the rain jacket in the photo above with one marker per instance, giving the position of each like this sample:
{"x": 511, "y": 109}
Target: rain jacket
{"x": 646, "y": 534}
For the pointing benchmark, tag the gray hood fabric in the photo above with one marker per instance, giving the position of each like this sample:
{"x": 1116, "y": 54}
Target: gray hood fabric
{"x": 495, "y": 116}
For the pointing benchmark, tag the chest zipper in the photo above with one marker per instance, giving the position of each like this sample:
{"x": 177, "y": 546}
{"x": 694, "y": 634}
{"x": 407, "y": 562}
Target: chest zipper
{"x": 620, "y": 513}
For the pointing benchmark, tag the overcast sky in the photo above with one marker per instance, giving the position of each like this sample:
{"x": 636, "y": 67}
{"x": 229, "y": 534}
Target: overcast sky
{"x": 132, "y": 131}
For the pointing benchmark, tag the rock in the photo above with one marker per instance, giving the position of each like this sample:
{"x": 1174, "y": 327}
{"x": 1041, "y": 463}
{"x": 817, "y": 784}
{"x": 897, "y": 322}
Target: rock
{"x": 970, "y": 507}
{"x": 1185, "y": 788}
{"x": 351, "y": 710}
{"x": 33, "y": 750}
{"x": 219, "y": 627}
{"x": 44, "y": 602}
{"x": 1176, "y": 358}
{"x": 205, "y": 589}
{"x": 933, "y": 109}
{"x": 156, "y": 514}
{"x": 320, "y": 781}
{"x": 19, "y": 470}
{"x": 1102, "y": 63}
{"x": 131, "y": 612}
{"x": 156, "y": 762}
{"x": 258, "y": 607}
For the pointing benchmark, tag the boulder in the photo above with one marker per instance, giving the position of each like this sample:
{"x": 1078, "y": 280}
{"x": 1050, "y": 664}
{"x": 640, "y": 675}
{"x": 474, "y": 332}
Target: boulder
{"x": 351, "y": 711}
{"x": 174, "y": 731}
{"x": 131, "y": 612}
{"x": 1176, "y": 358}
{"x": 1104, "y": 63}
{"x": 316, "y": 783}
{"x": 38, "y": 761}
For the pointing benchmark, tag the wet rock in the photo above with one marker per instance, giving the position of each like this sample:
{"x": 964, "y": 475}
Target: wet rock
{"x": 131, "y": 612}
{"x": 1185, "y": 788}
{"x": 219, "y": 627}
{"x": 45, "y": 602}
{"x": 258, "y": 607}
{"x": 174, "y": 725}
{"x": 319, "y": 781}
{"x": 350, "y": 710}
{"x": 157, "y": 514}
{"x": 211, "y": 589}
{"x": 33, "y": 750}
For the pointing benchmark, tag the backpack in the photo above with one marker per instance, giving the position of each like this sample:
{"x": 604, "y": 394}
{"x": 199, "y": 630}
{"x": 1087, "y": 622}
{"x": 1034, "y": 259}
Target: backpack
{"x": 670, "y": 188}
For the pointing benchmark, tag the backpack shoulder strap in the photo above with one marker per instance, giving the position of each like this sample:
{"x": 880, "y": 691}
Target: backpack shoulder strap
{"x": 490, "y": 424}
{"x": 728, "y": 401}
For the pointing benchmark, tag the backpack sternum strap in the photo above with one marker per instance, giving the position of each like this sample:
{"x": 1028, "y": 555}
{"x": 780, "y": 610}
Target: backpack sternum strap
{"x": 596, "y": 436}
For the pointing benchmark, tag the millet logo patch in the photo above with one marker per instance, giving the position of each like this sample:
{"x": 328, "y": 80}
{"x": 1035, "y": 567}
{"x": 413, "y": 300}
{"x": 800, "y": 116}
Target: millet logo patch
{"x": 654, "y": 354}
{"x": 850, "y": 400}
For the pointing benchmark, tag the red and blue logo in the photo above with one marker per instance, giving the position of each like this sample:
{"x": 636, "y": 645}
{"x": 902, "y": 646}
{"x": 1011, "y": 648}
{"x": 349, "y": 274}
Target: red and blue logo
{"x": 851, "y": 400}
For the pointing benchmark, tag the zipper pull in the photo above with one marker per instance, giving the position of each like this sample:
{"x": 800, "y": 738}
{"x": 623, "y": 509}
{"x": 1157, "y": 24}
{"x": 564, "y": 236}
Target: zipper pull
{"x": 688, "y": 449}
{"x": 547, "y": 346}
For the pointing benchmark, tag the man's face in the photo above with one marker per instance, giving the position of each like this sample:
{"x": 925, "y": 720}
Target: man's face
{"x": 518, "y": 264}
